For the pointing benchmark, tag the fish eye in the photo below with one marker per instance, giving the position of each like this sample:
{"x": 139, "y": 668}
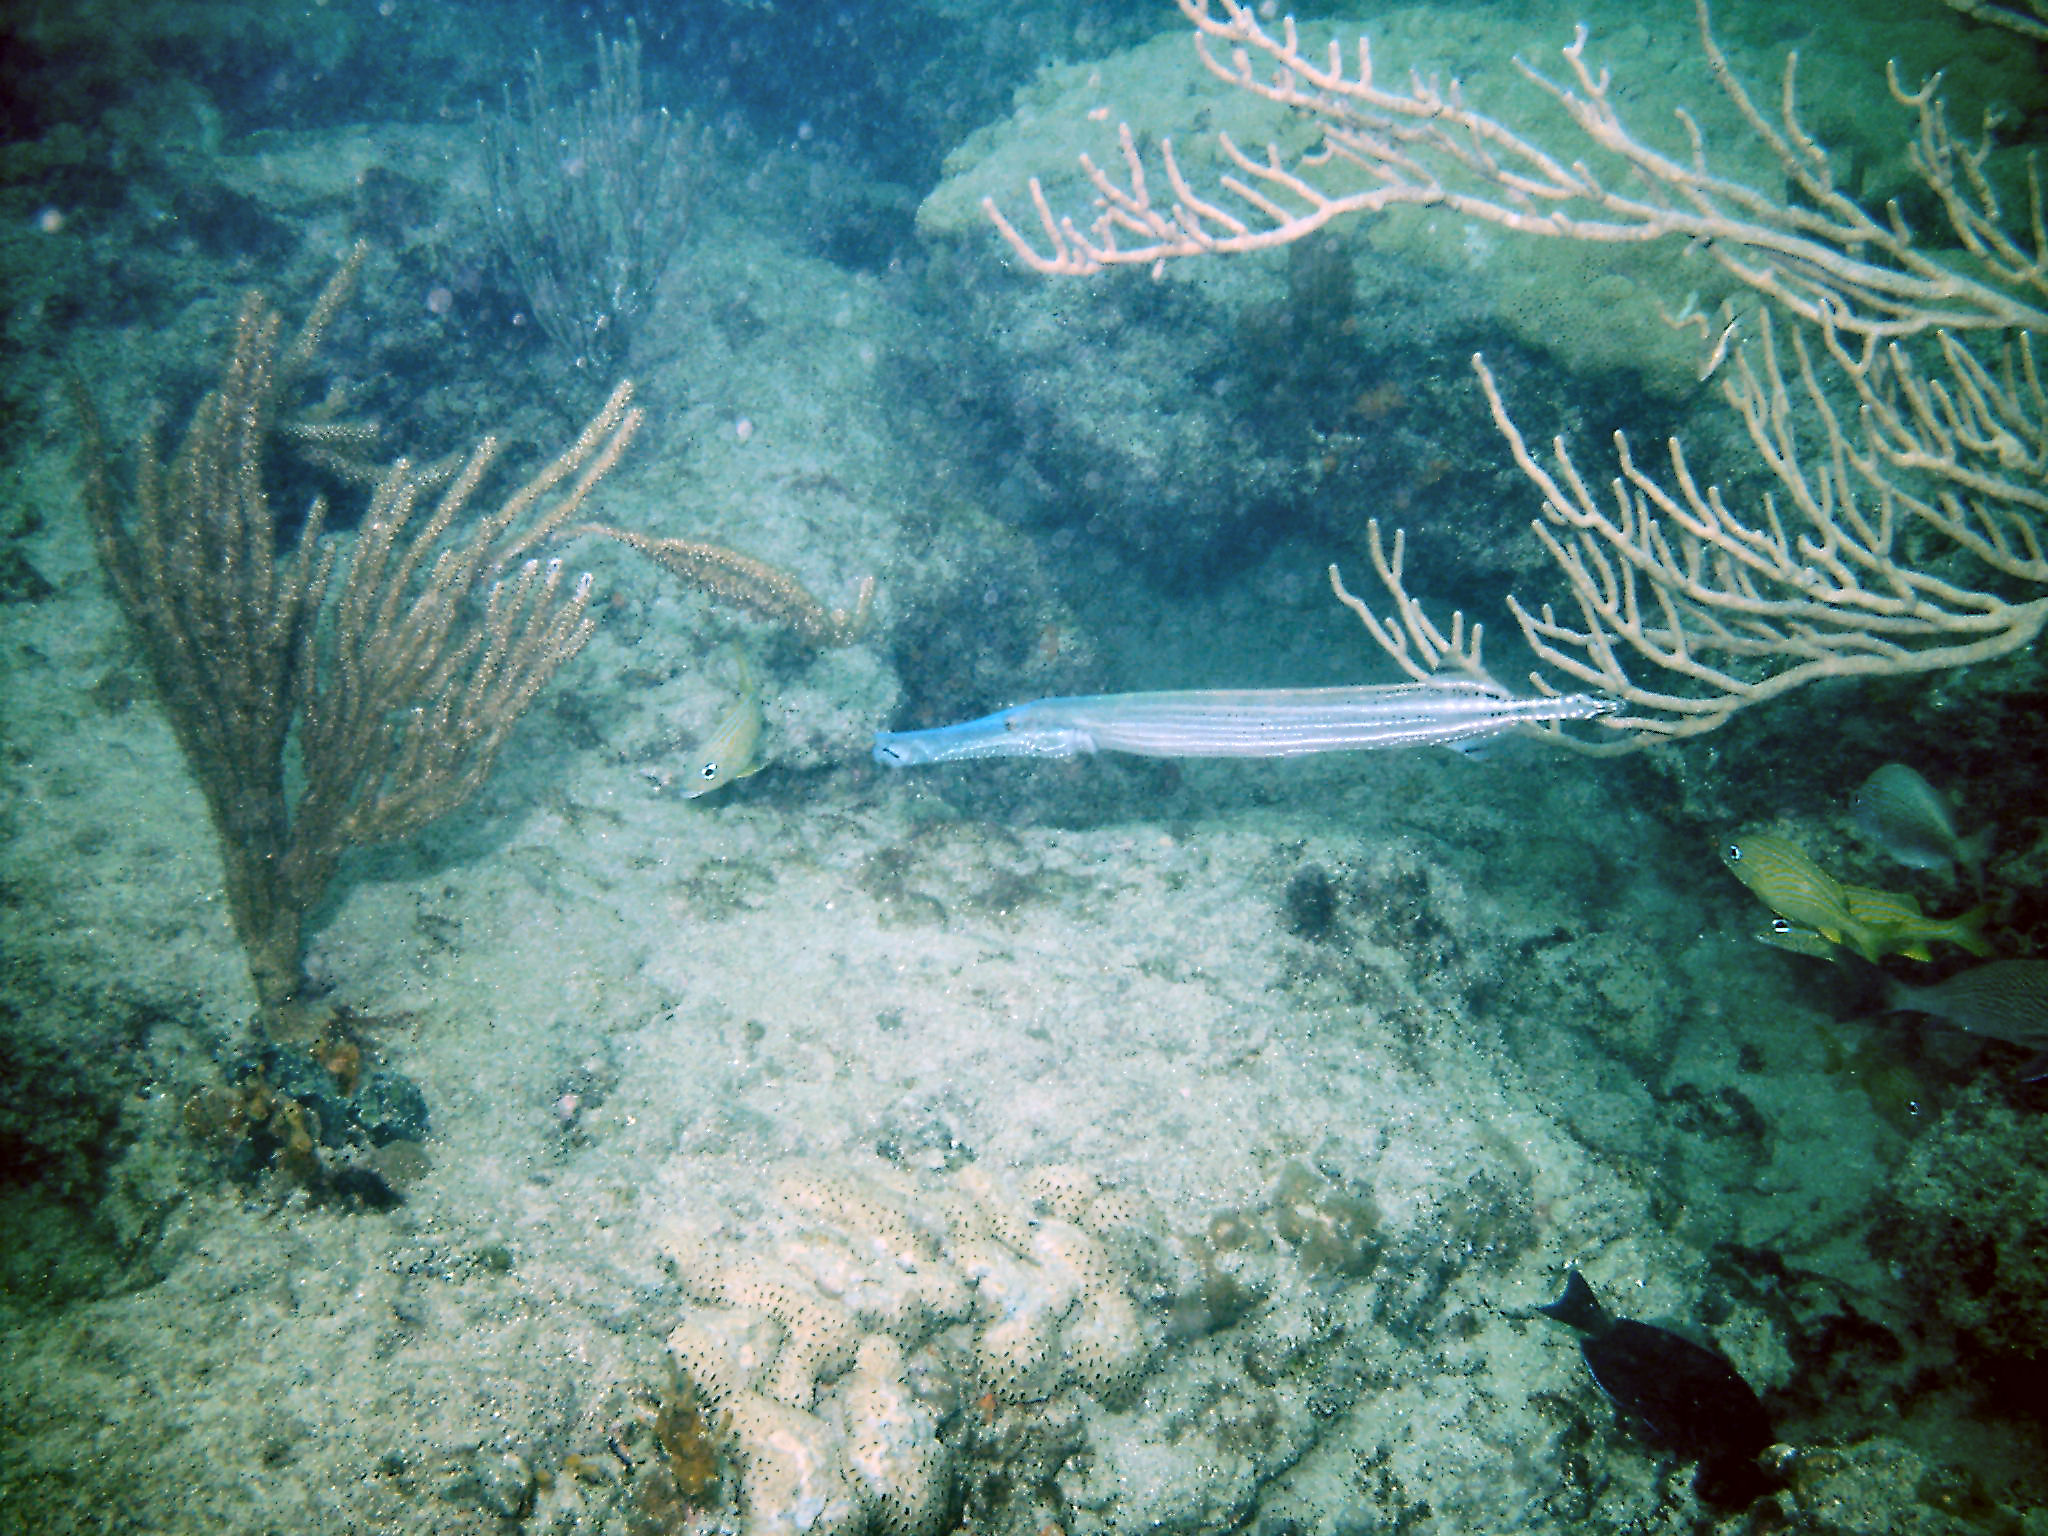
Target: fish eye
{"x": 708, "y": 772}
{"x": 1732, "y": 853}
{"x": 1781, "y": 925}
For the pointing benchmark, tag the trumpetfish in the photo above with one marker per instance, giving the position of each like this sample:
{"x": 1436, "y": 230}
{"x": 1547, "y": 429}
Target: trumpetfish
{"x": 1239, "y": 722}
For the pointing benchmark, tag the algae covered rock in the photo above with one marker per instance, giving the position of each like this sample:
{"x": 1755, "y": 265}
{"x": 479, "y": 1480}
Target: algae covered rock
{"x": 1971, "y": 1239}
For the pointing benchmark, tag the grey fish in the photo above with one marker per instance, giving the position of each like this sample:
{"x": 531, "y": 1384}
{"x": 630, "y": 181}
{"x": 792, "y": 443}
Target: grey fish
{"x": 1683, "y": 1397}
{"x": 2005, "y": 1000}
{"x": 1915, "y": 823}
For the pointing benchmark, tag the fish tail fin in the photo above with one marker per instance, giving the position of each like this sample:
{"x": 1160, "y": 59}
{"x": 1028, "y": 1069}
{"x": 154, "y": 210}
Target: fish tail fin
{"x": 1578, "y": 1307}
{"x": 1860, "y": 938}
{"x": 1901, "y": 998}
{"x": 1968, "y": 930}
{"x": 1973, "y": 852}
{"x": 745, "y": 667}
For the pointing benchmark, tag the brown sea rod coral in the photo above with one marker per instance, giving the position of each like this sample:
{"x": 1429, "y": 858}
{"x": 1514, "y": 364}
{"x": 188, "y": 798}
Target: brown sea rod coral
{"x": 331, "y": 694}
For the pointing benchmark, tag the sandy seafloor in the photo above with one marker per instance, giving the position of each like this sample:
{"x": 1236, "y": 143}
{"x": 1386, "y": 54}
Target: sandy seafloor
{"x": 1527, "y": 1026}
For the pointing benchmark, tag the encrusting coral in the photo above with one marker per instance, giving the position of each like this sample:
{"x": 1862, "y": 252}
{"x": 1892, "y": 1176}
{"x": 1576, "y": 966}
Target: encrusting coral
{"x": 877, "y": 1300}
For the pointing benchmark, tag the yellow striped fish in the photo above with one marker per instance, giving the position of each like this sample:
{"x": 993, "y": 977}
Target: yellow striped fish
{"x": 734, "y": 750}
{"x": 1817, "y": 912}
{"x": 1897, "y": 926}
{"x": 1784, "y": 879}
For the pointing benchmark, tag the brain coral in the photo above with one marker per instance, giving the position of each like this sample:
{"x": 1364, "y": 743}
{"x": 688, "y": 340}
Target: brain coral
{"x": 872, "y": 1299}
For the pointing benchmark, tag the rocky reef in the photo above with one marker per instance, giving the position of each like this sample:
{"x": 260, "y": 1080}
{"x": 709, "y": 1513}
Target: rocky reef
{"x": 889, "y": 1351}
{"x": 1967, "y": 1235}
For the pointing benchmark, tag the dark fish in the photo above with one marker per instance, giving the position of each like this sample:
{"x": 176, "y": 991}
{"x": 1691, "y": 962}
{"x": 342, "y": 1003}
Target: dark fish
{"x": 2005, "y": 1000}
{"x": 1682, "y": 1397}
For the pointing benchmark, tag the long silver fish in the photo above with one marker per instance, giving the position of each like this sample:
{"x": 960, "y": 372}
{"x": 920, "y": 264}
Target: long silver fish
{"x": 1238, "y": 722}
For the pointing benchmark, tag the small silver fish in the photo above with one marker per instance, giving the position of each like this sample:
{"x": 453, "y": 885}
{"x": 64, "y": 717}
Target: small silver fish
{"x": 1783, "y": 933}
{"x": 1915, "y": 823}
{"x": 2005, "y": 1000}
{"x": 734, "y": 748}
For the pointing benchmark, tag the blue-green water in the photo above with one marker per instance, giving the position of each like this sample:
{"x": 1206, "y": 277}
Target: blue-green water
{"x": 1072, "y": 1145}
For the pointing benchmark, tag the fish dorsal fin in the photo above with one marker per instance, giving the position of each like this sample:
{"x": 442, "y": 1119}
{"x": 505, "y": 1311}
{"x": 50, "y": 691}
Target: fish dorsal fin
{"x": 1578, "y": 1307}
